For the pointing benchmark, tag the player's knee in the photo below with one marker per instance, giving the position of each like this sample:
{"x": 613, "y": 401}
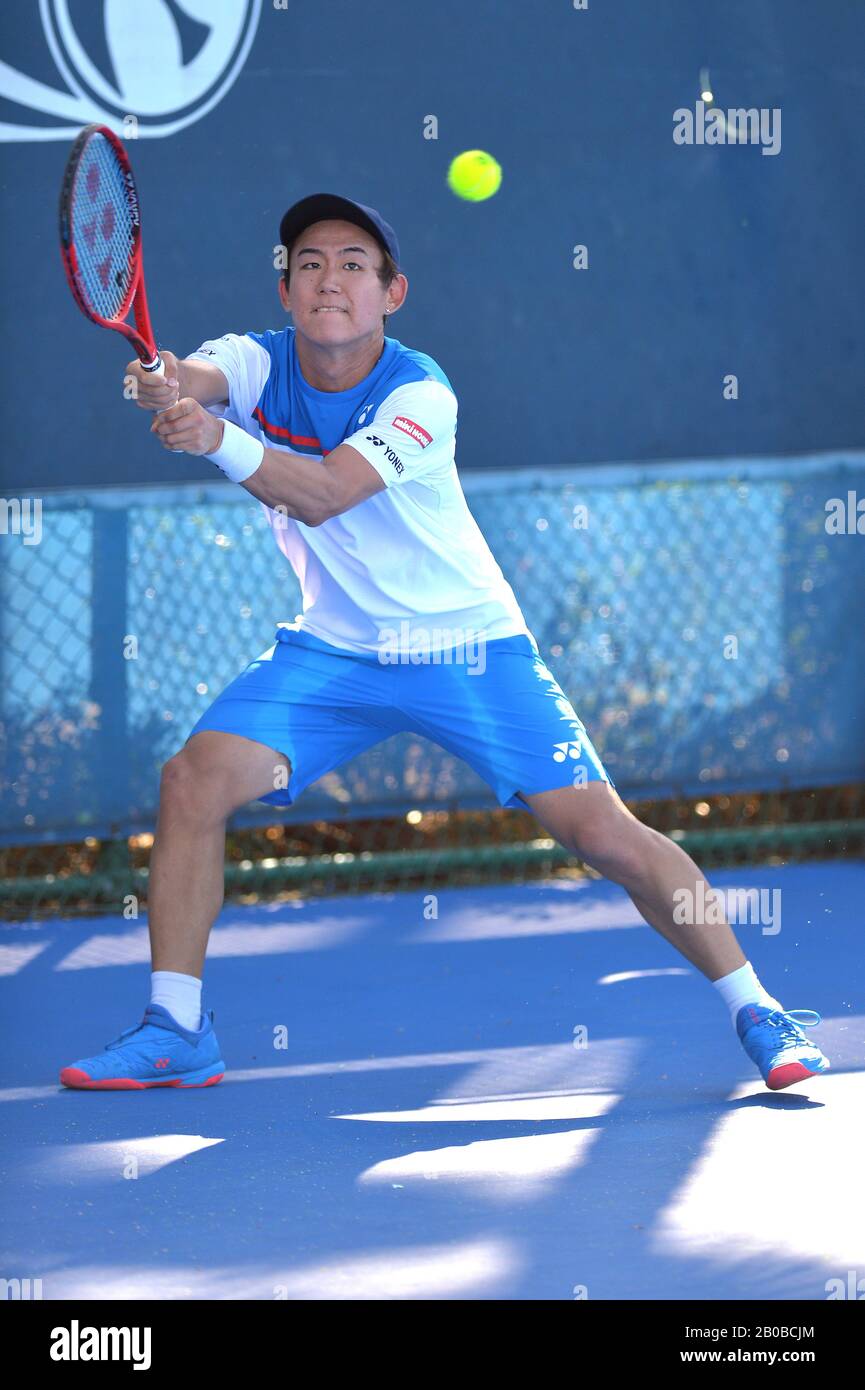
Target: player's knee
{"x": 178, "y": 784}
{"x": 617, "y": 846}
{"x": 193, "y": 789}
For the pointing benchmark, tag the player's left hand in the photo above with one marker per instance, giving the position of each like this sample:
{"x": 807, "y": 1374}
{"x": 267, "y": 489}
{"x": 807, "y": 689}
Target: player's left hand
{"x": 188, "y": 428}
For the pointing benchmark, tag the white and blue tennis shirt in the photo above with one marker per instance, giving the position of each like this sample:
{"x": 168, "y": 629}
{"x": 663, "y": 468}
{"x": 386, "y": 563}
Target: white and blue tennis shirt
{"x": 412, "y": 557}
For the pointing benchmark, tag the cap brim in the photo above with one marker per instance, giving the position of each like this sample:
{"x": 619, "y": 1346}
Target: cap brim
{"x": 319, "y": 207}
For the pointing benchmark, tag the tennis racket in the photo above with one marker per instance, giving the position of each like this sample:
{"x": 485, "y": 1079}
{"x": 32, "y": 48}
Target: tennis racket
{"x": 100, "y": 240}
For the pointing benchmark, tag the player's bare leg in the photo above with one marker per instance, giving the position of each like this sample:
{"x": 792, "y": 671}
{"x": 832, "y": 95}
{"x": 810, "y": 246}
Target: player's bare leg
{"x": 593, "y": 823}
{"x": 211, "y": 776}
{"x": 175, "y": 1043}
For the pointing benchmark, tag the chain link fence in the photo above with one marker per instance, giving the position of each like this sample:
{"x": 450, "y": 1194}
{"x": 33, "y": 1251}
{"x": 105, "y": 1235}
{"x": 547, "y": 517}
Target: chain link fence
{"x": 705, "y": 620}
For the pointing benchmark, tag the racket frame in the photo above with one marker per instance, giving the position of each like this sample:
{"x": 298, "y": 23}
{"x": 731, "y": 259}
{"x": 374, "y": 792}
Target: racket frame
{"x": 141, "y": 337}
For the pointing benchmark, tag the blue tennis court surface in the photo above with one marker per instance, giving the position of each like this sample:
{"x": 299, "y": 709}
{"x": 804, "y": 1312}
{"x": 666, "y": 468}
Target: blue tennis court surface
{"x": 429, "y": 1130}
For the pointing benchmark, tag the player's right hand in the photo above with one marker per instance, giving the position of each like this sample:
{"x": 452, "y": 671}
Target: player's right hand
{"x": 149, "y": 391}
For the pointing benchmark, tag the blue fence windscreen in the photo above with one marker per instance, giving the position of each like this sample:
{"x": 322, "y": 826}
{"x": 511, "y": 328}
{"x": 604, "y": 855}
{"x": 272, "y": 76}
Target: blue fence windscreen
{"x": 705, "y": 619}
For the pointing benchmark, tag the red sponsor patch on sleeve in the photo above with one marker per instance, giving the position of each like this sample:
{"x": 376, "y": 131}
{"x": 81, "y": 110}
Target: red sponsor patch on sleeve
{"x": 402, "y": 422}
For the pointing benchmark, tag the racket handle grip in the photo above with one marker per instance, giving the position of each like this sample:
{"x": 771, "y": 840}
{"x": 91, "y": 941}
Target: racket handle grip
{"x": 157, "y": 368}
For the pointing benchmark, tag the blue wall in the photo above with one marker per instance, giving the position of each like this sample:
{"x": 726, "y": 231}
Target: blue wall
{"x": 702, "y": 261}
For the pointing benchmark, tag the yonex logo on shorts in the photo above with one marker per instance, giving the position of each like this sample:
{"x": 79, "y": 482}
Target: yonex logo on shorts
{"x": 388, "y": 452}
{"x": 414, "y": 430}
{"x": 567, "y": 750}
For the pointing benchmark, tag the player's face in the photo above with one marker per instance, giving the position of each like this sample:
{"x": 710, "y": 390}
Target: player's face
{"x": 334, "y": 293}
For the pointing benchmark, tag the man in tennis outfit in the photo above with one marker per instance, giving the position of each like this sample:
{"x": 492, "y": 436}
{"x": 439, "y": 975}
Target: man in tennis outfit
{"x": 347, "y": 437}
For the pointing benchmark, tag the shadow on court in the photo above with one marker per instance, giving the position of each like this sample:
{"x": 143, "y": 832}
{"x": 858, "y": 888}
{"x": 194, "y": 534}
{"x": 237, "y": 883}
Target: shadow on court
{"x": 430, "y": 1130}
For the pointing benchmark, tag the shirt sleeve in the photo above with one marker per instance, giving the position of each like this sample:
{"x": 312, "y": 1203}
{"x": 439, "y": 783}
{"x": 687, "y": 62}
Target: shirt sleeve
{"x": 245, "y": 365}
{"x": 412, "y": 433}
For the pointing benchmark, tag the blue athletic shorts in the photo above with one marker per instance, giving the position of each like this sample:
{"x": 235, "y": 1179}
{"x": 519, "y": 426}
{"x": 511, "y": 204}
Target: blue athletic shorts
{"x": 499, "y": 709}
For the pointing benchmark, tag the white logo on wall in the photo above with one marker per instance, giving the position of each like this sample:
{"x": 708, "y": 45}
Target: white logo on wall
{"x": 151, "y": 83}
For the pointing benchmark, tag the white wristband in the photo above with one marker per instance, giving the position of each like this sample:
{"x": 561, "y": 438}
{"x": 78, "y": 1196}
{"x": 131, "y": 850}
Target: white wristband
{"x": 239, "y": 455}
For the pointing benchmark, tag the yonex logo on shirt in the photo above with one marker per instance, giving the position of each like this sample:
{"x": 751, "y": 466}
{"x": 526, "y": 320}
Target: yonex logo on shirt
{"x": 414, "y": 430}
{"x": 389, "y": 453}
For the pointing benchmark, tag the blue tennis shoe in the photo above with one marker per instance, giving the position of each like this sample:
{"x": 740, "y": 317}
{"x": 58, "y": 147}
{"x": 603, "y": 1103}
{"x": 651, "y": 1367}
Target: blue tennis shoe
{"x": 774, "y": 1041}
{"x": 156, "y": 1052}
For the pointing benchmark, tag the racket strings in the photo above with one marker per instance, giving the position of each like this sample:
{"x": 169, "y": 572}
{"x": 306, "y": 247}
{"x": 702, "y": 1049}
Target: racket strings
{"x": 103, "y": 229}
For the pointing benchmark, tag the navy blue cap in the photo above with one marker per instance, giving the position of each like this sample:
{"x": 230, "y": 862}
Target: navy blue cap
{"x": 320, "y": 206}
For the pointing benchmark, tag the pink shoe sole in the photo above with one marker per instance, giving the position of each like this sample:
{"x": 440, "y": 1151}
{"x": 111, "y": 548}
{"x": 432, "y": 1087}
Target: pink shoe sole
{"x": 78, "y": 1080}
{"x": 788, "y": 1075}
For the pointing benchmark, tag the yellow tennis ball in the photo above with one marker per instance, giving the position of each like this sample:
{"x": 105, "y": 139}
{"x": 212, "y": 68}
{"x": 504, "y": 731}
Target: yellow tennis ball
{"x": 474, "y": 175}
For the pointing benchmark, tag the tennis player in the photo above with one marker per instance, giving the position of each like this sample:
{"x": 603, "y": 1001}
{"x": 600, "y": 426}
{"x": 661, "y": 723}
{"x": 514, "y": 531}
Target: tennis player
{"x": 347, "y": 438}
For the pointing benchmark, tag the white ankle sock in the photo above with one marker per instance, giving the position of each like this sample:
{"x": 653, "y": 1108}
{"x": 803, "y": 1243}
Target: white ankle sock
{"x": 179, "y": 994}
{"x": 742, "y": 987}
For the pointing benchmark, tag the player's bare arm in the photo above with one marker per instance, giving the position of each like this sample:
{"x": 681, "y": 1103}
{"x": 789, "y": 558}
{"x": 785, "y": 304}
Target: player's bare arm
{"x": 310, "y": 491}
{"x": 307, "y": 490}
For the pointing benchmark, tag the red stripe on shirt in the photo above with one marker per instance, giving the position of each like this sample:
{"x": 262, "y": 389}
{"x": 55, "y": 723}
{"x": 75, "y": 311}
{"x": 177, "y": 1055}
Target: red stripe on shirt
{"x": 307, "y": 440}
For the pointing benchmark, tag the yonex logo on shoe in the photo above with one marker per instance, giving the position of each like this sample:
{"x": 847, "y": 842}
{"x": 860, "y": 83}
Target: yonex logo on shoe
{"x": 162, "y": 1062}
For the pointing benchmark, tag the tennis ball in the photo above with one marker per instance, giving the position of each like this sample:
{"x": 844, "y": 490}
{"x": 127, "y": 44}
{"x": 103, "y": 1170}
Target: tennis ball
{"x": 474, "y": 175}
